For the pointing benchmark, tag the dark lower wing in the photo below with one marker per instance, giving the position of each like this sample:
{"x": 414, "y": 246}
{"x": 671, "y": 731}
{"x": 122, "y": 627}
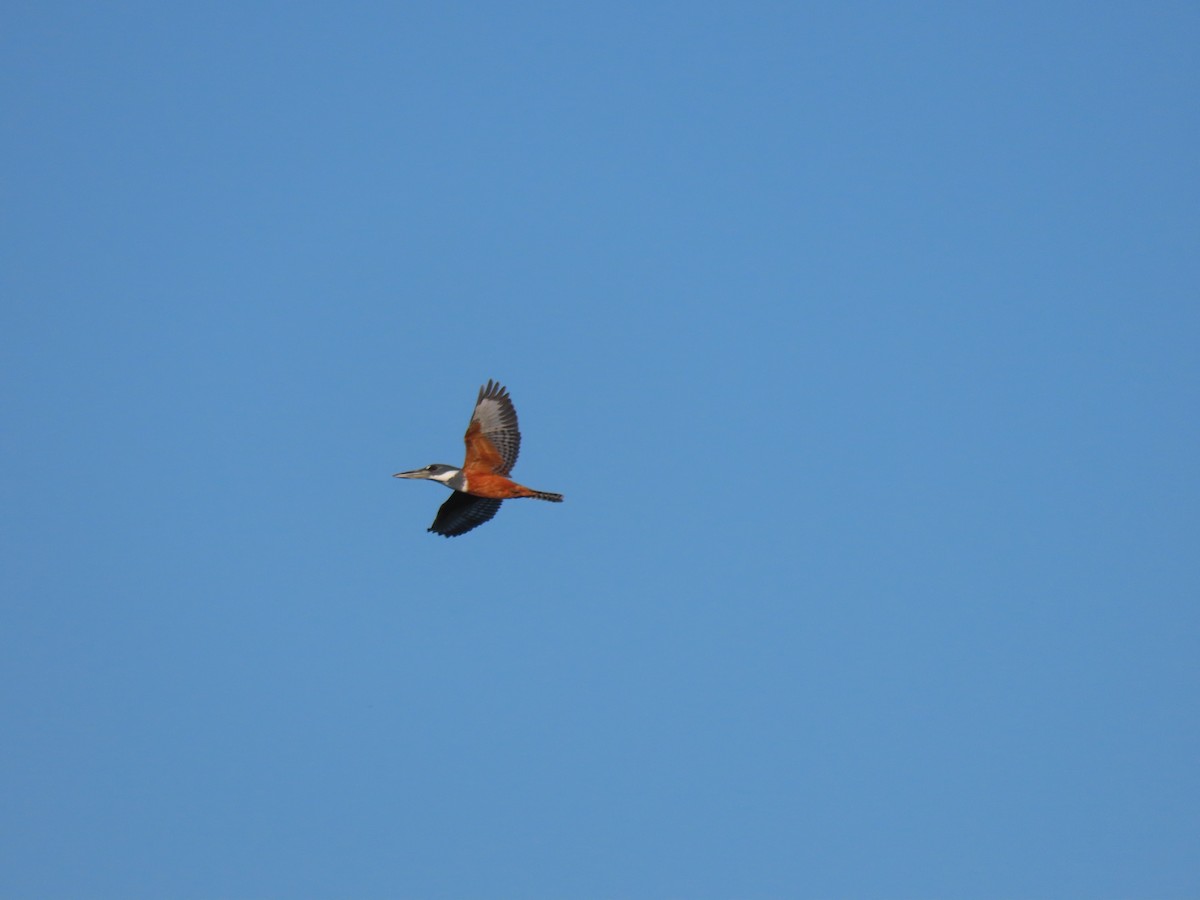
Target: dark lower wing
{"x": 462, "y": 512}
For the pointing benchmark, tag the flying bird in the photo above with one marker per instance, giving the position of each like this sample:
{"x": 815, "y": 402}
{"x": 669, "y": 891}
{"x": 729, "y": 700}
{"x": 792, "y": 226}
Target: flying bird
{"x": 493, "y": 441}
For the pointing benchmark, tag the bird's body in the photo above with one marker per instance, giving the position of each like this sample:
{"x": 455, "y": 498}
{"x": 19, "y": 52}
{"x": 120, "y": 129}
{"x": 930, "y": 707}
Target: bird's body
{"x": 493, "y": 441}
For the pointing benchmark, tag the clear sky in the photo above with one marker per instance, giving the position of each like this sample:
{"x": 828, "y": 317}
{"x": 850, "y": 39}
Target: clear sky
{"x": 863, "y": 340}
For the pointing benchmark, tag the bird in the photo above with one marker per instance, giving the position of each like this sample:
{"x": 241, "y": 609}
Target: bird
{"x": 481, "y": 484}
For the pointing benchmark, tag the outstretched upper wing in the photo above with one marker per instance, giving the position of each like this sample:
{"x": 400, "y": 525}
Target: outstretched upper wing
{"x": 462, "y": 512}
{"x": 493, "y": 440}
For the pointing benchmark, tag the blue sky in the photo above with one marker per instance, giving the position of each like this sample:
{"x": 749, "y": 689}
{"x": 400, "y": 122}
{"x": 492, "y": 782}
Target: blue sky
{"x": 861, "y": 338}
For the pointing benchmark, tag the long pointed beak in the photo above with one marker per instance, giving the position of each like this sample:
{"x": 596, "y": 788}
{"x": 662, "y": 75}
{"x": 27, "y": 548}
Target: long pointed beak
{"x": 415, "y": 473}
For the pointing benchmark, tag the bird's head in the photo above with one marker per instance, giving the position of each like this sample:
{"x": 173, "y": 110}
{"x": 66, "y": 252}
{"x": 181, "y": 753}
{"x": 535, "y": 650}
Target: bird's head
{"x": 434, "y": 472}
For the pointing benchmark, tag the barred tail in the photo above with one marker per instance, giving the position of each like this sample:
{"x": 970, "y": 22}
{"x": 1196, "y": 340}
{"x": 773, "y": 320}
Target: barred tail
{"x": 546, "y": 495}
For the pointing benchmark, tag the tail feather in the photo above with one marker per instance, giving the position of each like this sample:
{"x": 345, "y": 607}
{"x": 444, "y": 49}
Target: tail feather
{"x": 547, "y": 495}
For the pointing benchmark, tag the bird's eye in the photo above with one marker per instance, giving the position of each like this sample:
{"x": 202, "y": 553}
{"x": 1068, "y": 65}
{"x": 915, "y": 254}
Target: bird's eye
{"x": 430, "y": 468}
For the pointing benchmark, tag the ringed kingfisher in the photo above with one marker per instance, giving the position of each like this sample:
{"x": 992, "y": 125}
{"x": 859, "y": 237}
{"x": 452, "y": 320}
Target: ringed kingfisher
{"x": 482, "y": 483}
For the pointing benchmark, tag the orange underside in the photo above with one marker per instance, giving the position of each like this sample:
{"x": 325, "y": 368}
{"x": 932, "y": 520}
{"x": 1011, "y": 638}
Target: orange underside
{"x": 481, "y": 466}
{"x": 495, "y": 487}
